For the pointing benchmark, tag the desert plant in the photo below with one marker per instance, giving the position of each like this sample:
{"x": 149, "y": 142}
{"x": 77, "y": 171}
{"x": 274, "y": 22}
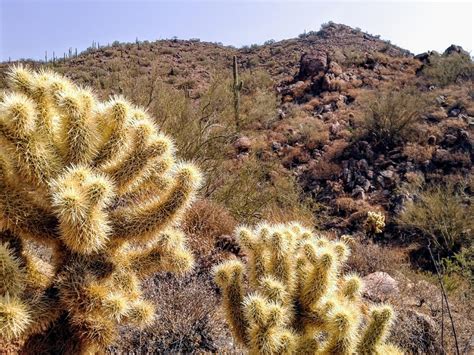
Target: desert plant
{"x": 299, "y": 302}
{"x": 375, "y": 222}
{"x": 443, "y": 217}
{"x": 256, "y": 188}
{"x": 447, "y": 69}
{"x": 236, "y": 88}
{"x": 390, "y": 116}
{"x": 99, "y": 185}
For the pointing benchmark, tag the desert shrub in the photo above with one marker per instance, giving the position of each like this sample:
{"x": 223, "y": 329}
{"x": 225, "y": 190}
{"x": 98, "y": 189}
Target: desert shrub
{"x": 458, "y": 271}
{"x": 444, "y": 70}
{"x": 443, "y": 217}
{"x": 254, "y": 187}
{"x": 258, "y": 100}
{"x": 100, "y": 187}
{"x": 418, "y": 153}
{"x": 323, "y": 170}
{"x": 313, "y": 132}
{"x": 390, "y": 116}
{"x": 368, "y": 257}
{"x": 353, "y": 57}
{"x": 204, "y": 222}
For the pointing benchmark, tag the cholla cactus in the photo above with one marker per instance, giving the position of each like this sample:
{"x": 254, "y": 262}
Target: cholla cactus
{"x": 299, "y": 302}
{"x": 375, "y": 222}
{"x": 97, "y": 184}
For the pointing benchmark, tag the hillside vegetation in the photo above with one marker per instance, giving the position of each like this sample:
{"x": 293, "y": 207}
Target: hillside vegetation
{"x": 339, "y": 130}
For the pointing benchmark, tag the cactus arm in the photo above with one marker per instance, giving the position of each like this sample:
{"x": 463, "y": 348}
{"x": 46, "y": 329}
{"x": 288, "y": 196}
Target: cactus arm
{"x": 143, "y": 222}
{"x": 376, "y": 331}
{"x": 321, "y": 278}
{"x": 113, "y": 123}
{"x": 229, "y": 278}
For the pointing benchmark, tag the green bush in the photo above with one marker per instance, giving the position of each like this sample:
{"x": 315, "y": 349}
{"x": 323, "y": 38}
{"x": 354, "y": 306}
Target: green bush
{"x": 444, "y": 70}
{"x": 444, "y": 217}
{"x": 390, "y": 116}
{"x": 256, "y": 189}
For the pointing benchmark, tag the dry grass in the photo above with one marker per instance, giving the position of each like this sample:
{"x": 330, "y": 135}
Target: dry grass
{"x": 187, "y": 320}
{"x": 368, "y": 257}
{"x": 204, "y": 223}
{"x": 418, "y": 153}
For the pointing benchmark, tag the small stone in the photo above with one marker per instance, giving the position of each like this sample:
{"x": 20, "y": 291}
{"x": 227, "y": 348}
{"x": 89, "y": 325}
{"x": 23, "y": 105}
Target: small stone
{"x": 358, "y": 193}
{"x": 335, "y": 128}
{"x": 388, "y": 174}
{"x": 276, "y": 146}
{"x": 441, "y": 99}
{"x": 464, "y": 135}
{"x": 242, "y": 144}
{"x": 450, "y": 139}
{"x": 432, "y": 140}
{"x": 363, "y": 165}
{"x": 327, "y": 108}
{"x": 454, "y": 112}
{"x": 281, "y": 114}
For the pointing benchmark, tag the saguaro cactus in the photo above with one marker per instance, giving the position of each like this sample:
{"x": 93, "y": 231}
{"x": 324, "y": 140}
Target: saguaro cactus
{"x": 96, "y": 185}
{"x": 299, "y": 302}
{"x": 237, "y": 85}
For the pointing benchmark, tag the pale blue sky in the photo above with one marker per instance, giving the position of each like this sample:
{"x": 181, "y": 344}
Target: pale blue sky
{"x": 29, "y": 27}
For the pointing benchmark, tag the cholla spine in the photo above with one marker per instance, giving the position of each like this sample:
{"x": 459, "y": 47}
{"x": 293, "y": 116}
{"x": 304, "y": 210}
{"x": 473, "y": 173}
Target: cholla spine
{"x": 298, "y": 301}
{"x": 79, "y": 176}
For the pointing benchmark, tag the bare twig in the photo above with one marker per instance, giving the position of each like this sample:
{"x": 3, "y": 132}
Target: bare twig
{"x": 445, "y": 299}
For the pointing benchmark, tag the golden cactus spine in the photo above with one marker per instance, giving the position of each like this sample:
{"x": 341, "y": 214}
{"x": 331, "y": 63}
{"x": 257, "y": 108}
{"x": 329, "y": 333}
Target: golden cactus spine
{"x": 98, "y": 185}
{"x": 298, "y": 301}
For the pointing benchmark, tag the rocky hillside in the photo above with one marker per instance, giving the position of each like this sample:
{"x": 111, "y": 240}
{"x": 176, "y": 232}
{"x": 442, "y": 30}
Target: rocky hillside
{"x": 335, "y": 124}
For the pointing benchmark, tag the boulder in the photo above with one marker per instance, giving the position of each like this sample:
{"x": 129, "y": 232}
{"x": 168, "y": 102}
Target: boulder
{"x": 417, "y": 332}
{"x": 387, "y": 174}
{"x": 380, "y": 286}
{"x": 358, "y": 193}
{"x": 335, "y": 68}
{"x": 313, "y": 64}
{"x": 423, "y": 57}
{"x": 450, "y": 139}
{"x": 455, "y": 49}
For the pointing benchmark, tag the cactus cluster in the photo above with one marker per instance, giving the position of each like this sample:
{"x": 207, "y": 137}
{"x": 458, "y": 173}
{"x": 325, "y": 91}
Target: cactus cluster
{"x": 299, "y": 301}
{"x": 375, "y": 222}
{"x": 90, "y": 196}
